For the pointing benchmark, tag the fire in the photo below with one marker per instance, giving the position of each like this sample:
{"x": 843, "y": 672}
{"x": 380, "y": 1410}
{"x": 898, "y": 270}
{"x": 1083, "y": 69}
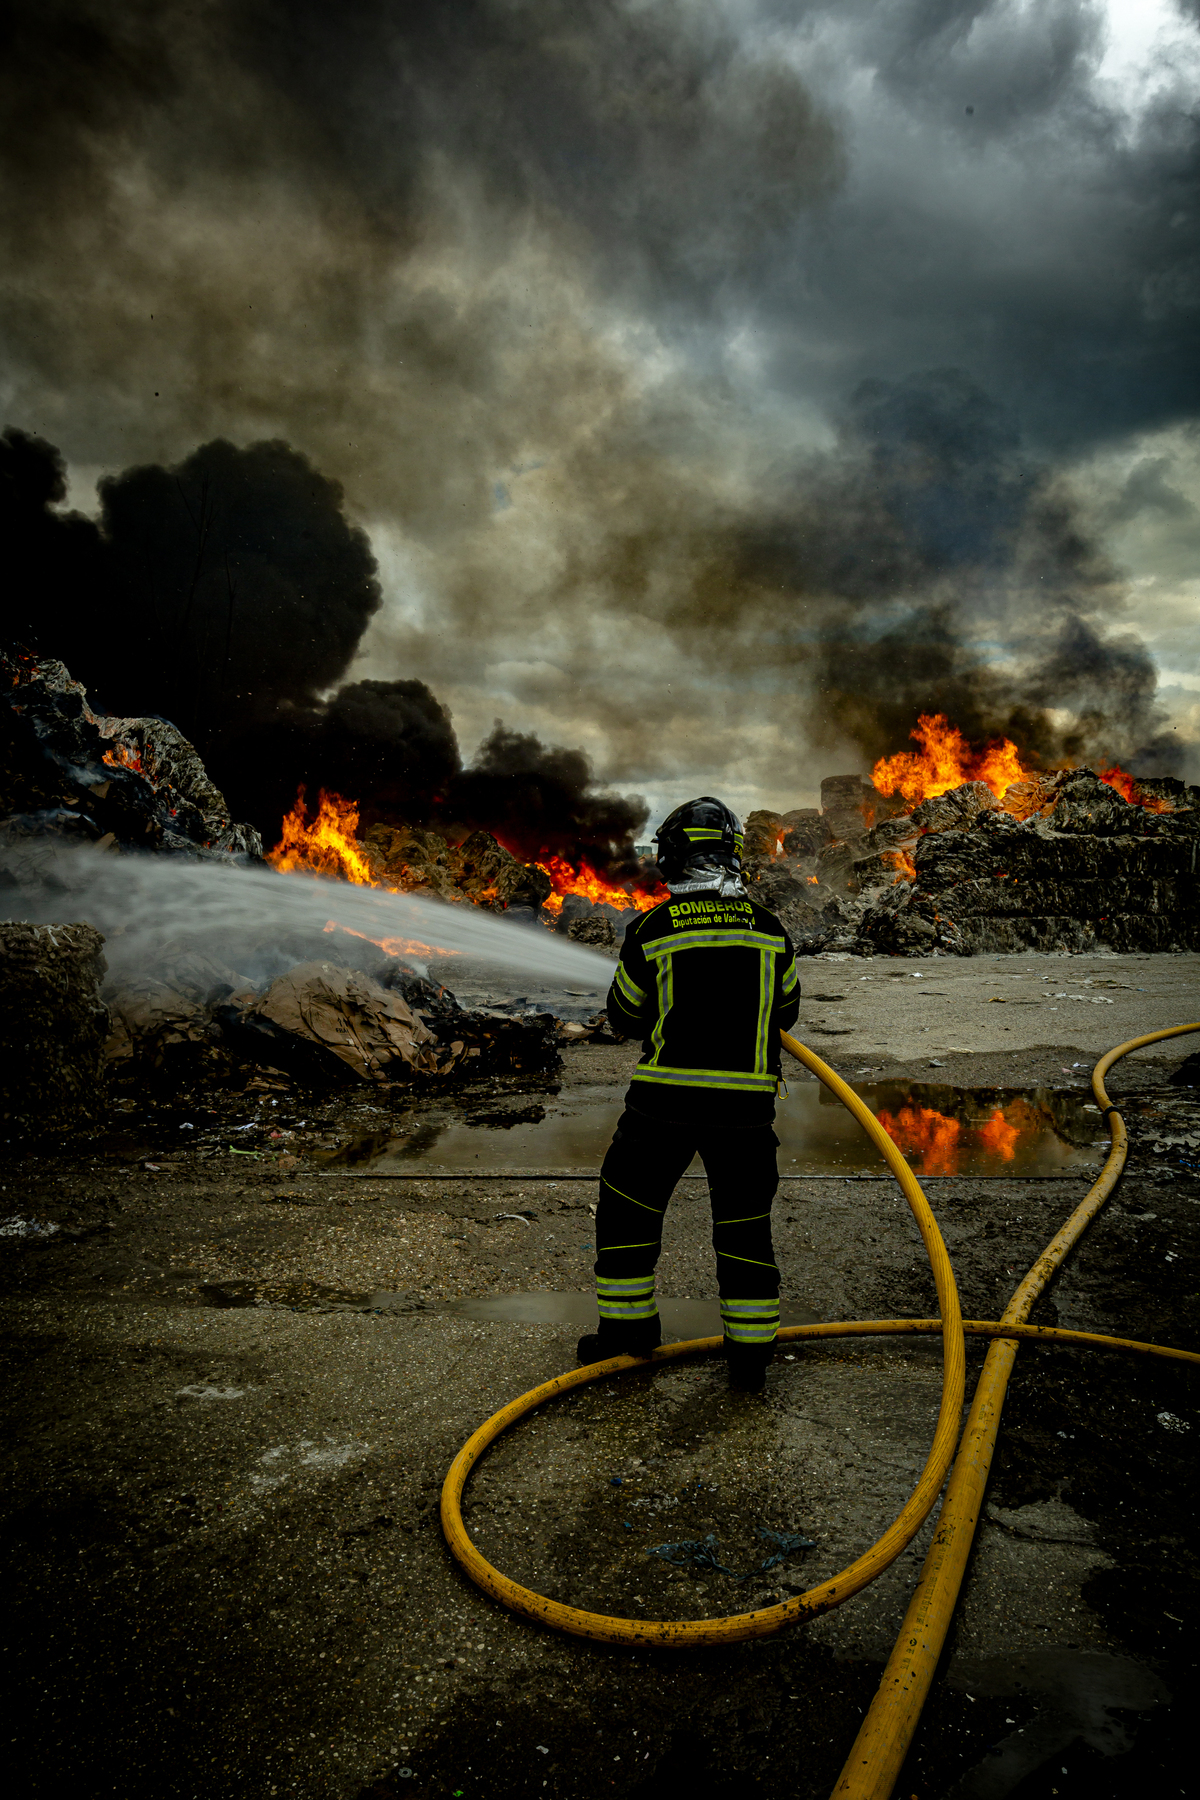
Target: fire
{"x": 922, "y": 1131}
{"x": 946, "y": 760}
{"x": 905, "y": 867}
{"x": 937, "y": 1145}
{"x": 394, "y": 946}
{"x": 122, "y": 757}
{"x": 329, "y": 846}
{"x": 999, "y": 1135}
{"x": 1126, "y": 785}
{"x": 584, "y": 880}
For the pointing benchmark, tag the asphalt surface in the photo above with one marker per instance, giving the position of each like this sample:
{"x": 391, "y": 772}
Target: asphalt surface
{"x": 225, "y": 1574}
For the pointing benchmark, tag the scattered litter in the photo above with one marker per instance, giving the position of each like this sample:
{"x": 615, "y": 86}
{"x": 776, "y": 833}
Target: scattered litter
{"x": 1171, "y": 1422}
{"x": 701, "y": 1553}
{"x": 520, "y": 1216}
{"x": 17, "y": 1227}
{"x": 614, "y": 1481}
{"x": 198, "y": 1391}
{"x": 934, "y": 1064}
{"x": 544, "y": 1748}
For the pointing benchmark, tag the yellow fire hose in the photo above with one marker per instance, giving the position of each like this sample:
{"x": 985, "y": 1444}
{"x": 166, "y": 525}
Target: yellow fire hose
{"x": 871, "y": 1768}
{"x": 887, "y": 1731}
{"x": 680, "y": 1633}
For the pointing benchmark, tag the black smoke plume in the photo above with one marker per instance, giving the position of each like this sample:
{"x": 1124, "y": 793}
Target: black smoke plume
{"x": 540, "y": 801}
{"x": 217, "y": 593}
{"x": 225, "y": 594}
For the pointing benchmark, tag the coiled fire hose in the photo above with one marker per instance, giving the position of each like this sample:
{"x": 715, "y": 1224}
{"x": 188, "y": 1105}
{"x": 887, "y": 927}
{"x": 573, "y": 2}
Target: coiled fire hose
{"x": 680, "y": 1633}
{"x": 887, "y": 1730}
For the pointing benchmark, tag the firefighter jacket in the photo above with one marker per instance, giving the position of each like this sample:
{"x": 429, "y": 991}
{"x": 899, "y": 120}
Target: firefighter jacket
{"x": 706, "y": 981}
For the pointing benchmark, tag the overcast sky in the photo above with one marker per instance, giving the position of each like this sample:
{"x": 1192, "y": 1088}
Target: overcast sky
{"x": 715, "y": 381}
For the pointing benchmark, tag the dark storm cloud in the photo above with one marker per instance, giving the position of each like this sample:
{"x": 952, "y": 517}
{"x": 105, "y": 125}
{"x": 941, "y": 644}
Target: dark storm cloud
{"x": 1007, "y": 215}
{"x": 648, "y": 131}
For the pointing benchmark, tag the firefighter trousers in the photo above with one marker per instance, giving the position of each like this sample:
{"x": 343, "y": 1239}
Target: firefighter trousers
{"x": 644, "y": 1162}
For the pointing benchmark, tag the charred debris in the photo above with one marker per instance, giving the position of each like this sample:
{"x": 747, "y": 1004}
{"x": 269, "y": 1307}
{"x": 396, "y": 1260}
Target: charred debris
{"x": 1063, "y": 862}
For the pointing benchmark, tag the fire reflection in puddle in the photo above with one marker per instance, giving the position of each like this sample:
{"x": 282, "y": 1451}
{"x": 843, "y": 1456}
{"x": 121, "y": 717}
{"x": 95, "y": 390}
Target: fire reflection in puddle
{"x": 942, "y": 1130}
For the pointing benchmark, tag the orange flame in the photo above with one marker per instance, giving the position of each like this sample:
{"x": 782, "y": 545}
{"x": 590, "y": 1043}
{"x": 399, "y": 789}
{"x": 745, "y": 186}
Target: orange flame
{"x": 120, "y": 756}
{"x": 584, "y": 880}
{"x": 1126, "y": 785}
{"x": 942, "y": 1144}
{"x": 905, "y": 867}
{"x": 999, "y": 1135}
{"x": 922, "y": 1131}
{"x": 328, "y": 846}
{"x": 946, "y": 760}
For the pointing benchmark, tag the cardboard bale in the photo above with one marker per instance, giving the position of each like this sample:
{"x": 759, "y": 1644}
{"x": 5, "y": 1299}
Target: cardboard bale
{"x": 55, "y": 1026}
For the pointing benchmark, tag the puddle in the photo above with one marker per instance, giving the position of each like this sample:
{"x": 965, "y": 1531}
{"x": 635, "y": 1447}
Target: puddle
{"x": 303, "y": 1296}
{"x": 942, "y": 1130}
{"x": 680, "y": 1318}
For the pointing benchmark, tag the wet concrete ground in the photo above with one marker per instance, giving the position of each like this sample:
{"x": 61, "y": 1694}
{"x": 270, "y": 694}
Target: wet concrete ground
{"x": 224, "y": 1569}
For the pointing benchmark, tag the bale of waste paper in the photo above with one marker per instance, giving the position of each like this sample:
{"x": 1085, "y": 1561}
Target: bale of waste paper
{"x": 54, "y": 1028}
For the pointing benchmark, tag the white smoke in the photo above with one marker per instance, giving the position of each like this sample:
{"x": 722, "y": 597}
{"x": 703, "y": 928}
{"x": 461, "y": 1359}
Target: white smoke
{"x": 141, "y": 903}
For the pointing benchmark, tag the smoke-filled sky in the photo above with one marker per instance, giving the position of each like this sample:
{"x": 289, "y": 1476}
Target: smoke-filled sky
{"x": 718, "y": 385}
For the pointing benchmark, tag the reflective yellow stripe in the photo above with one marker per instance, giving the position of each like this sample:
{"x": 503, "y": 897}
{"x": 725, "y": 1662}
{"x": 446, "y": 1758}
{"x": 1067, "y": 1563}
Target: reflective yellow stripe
{"x": 628, "y": 987}
{"x": 733, "y": 939}
{"x": 659, "y": 1210}
{"x": 721, "y": 1078}
{"x": 666, "y": 989}
{"x": 766, "y": 994}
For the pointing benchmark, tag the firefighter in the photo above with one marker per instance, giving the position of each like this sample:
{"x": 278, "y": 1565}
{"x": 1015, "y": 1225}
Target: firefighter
{"x": 706, "y": 979}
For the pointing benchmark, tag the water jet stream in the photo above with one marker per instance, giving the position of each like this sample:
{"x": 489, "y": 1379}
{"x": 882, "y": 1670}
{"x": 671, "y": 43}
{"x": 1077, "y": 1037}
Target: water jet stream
{"x": 142, "y": 902}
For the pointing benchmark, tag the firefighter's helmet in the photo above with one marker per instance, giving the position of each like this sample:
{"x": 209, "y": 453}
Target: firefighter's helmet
{"x": 701, "y": 835}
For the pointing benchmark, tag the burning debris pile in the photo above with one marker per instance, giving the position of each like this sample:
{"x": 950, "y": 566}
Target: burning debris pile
{"x": 1011, "y": 860}
{"x": 463, "y": 869}
{"x": 323, "y": 1009}
{"x": 67, "y": 771}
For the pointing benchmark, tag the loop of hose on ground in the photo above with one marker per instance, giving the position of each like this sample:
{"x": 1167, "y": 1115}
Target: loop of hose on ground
{"x": 880, "y": 1748}
{"x": 827, "y": 1594}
